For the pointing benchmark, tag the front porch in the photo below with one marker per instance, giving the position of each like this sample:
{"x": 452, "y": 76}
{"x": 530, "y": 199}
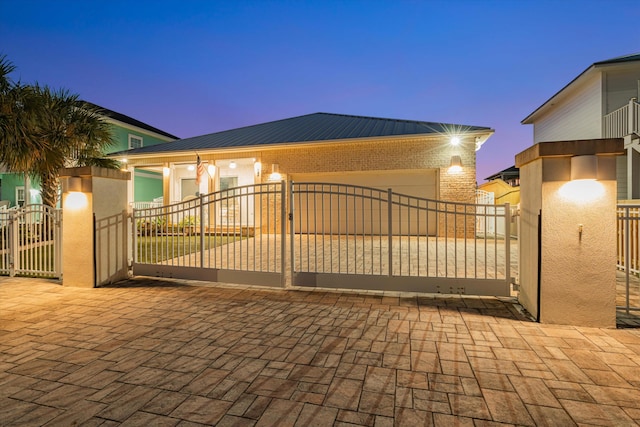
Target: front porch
{"x": 625, "y": 123}
{"x": 622, "y": 122}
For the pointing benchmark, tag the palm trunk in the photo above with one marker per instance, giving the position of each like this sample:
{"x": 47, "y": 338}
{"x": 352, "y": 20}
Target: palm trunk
{"x": 49, "y": 184}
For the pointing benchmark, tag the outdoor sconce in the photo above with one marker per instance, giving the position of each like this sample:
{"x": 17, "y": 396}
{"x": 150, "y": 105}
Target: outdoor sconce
{"x": 455, "y": 140}
{"x": 166, "y": 171}
{"x": 77, "y": 189}
{"x": 211, "y": 170}
{"x": 584, "y": 186}
{"x": 275, "y": 173}
{"x": 232, "y": 165}
{"x": 584, "y": 167}
{"x": 456, "y": 164}
{"x": 257, "y": 168}
{"x": 74, "y": 184}
{"x": 191, "y": 168}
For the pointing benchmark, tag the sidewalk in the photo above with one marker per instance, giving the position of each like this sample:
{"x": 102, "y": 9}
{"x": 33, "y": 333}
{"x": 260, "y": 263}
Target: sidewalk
{"x": 159, "y": 352}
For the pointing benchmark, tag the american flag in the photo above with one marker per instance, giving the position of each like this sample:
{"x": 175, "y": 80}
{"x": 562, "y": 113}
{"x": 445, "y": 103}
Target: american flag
{"x": 199, "y": 170}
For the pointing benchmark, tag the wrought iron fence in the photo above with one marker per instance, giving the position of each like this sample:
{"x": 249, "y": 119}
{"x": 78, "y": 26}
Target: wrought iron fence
{"x": 360, "y": 233}
{"x": 229, "y": 232}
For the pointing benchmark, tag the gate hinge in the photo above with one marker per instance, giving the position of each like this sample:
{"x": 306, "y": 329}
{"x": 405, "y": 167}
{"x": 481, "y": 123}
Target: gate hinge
{"x": 290, "y": 216}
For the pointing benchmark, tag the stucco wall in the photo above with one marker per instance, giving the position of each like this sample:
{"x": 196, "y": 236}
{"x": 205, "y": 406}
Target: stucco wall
{"x": 530, "y": 205}
{"x": 577, "y": 282}
{"x": 578, "y": 270}
{"x": 104, "y": 194}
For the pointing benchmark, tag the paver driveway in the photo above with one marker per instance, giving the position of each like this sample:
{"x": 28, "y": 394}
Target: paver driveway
{"x": 156, "y": 352}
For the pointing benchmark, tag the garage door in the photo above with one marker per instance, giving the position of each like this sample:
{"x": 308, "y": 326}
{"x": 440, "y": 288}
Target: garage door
{"x": 357, "y": 213}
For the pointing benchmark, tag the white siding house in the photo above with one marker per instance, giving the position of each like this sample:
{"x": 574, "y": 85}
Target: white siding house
{"x": 602, "y": 102}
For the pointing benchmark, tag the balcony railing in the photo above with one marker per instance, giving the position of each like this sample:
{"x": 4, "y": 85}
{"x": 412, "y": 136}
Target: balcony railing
{"x": 623, "y": 121}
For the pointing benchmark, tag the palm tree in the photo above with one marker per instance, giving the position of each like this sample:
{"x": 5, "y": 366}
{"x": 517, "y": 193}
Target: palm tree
{"x": 18, "y": 111}
{"x": 71, "y": 134}
{"x": 44, "y": 130}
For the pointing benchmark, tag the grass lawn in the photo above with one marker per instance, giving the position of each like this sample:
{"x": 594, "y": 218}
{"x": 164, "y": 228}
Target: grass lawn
{"x": 155, "y": 249}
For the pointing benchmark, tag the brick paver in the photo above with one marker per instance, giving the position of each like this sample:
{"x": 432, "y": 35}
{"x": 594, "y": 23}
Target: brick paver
{"x": 164, "y": 352}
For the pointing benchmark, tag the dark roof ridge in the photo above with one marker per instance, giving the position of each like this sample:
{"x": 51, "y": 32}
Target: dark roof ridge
{"x": 394, "y": 120}
{"x": 424, "y": 123}
{"x": 624, "y": 58}
{"x": 128, "y": 119}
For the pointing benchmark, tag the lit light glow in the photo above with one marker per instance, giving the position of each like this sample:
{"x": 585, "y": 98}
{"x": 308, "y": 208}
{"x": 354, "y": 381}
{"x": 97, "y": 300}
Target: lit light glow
{"x": 76, "y": 200}
{"x": 191, "y": 168}
{"x": 257, "y": 168}
{"x": 232, "y": 165}
{"x": 166, "y": 171}
{"x": 455, "y": 140}
{"x": 275, "y": 176}
{"x": 211, "y": 170}
{"x": 582, "y": 191}
{"x": 456, "y": 165}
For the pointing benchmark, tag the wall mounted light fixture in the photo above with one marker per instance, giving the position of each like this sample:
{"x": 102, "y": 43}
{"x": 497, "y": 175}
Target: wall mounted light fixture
{"x": 166, "y": 171}
{"x": 456, "y": 164}
{"x": 232, "y": 165}
{"x": 211, "y": 170}
{"x": 584, "y": 186}
{"x": 74, "y": 184}
{"x": 257, "y": 168}
{"x": 584, "y": 167}
{"x": 275, "y": 173}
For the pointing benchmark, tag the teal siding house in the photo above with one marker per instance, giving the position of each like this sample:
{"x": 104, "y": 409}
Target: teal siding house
{"x": 128, "y": 133}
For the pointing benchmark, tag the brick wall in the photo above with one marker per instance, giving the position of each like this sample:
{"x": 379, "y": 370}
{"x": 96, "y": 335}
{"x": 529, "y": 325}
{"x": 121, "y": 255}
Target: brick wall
{"x": 391, "y": 154}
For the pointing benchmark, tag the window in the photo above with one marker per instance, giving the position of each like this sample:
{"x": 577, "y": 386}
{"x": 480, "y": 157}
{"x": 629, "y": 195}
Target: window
{"x": 20, "y": 193}
{"x": 135, "y": 141}
{"x": 188, "y": 187}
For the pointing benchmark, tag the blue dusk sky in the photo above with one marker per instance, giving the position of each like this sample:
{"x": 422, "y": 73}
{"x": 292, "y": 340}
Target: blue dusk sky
{"x": 196, "y": 67}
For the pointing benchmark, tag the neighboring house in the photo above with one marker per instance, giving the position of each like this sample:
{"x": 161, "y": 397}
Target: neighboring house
{"x": 602, "y": 102}
{"x": 412, "y": 157}
{"x": 502, "y": 187}
{"x": 128, "y": 133}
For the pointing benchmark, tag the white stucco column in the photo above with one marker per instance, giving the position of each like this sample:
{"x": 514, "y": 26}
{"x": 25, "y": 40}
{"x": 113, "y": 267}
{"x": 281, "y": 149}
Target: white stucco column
{"x": 568, "y": 232}
{"x": 94, "y": 254}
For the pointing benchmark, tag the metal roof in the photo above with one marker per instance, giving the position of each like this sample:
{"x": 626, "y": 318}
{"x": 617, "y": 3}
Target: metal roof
{"x": 511, "y": 171}
{"x": 128, "y": 120}
{"x": 315, "y": 127}
{"x": 625, "y": 58}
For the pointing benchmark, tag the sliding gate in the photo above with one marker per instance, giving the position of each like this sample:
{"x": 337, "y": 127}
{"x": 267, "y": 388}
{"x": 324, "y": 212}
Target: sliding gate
{"x": 233, "y": 235}
{"x": 347, "y": 236}
{"x": 339, "y": 236}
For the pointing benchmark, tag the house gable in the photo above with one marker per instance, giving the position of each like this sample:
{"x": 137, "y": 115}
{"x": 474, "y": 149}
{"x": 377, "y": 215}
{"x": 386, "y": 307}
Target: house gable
{"x": 577, "y": 114}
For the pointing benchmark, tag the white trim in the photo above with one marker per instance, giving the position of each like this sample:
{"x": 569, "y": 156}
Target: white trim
{"x": 133, "y": 136}
{"x": 138, "y": 129}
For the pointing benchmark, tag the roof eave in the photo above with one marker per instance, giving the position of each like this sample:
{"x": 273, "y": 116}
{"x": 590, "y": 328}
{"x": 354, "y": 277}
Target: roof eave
{"x": 483, "y": 135}
{"x": 547, "y": 104}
